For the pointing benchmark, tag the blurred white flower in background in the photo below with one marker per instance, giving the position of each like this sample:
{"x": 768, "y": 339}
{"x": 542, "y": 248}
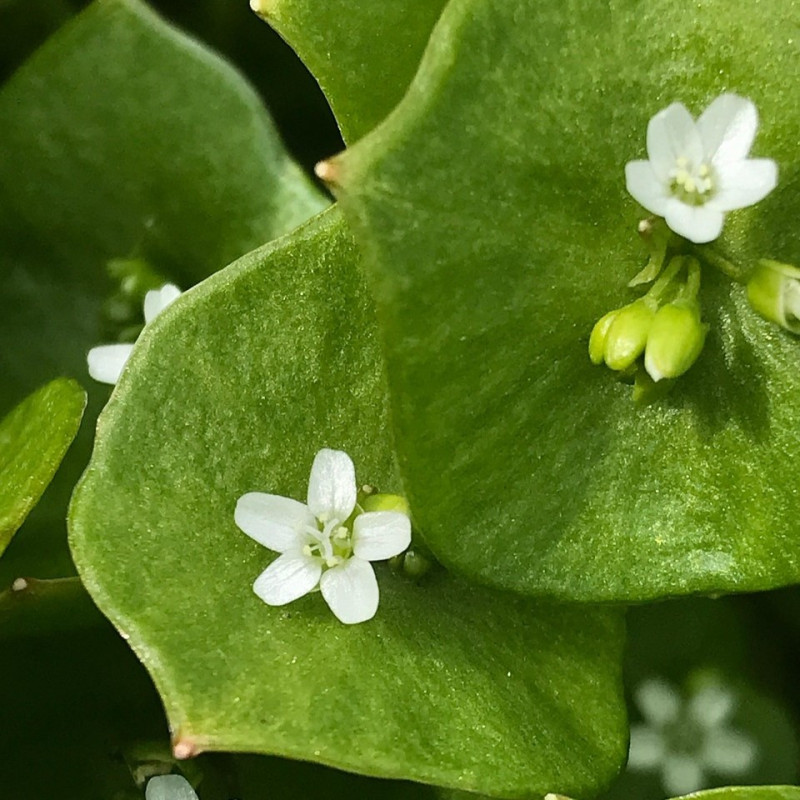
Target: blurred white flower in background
{"x": 107, "y": 361}
{"x": 685, "y": 739}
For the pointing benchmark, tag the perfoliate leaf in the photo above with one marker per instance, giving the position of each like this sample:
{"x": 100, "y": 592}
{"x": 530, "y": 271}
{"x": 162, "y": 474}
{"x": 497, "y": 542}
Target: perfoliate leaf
{"x": 493, "y": 207}
{"x": 234, "y": 389}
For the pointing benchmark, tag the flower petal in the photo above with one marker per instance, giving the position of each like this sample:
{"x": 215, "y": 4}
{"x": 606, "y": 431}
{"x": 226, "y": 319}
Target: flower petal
{"x": 744, "y": 183}
{"x": 156, "y": 300}
{"x": 659, "y": 703}
{"x": 287, "y": 578}
{"x": 727, "y": 128}
{"x": 672, "y": 134}
{"x": 682, "y": 774}
{"x": 107, "y": 361}
{"x": 728, "y": 752}
{"x": 699, "y": 224}
{"x": 381, "y": 534}
{"x": 351, "y": 591}
{"x": 645, "y": 187}
{"x": 274, "y": 521}
{"x": 332, "y": 486}
{"x": 647, "y": 748}
{"x": 169, "y": 787}
{"x": 711, "y": 705}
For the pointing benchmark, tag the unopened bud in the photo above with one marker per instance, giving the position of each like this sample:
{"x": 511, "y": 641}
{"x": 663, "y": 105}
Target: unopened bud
{"x": 774, "y": 291}
{"x": 627, "y": 334}
{"x": 386, "y": 502}
{"x": 676, "y": 340}
{"x": 597, "y": 341}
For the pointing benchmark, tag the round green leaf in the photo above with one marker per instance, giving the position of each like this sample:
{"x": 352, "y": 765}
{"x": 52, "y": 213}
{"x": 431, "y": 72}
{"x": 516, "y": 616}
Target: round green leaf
{"x": 121, "y": 137}
{"x": 232, "y": 390}
{"x": 34, "y": 437}
{"x": 492, "y": 205}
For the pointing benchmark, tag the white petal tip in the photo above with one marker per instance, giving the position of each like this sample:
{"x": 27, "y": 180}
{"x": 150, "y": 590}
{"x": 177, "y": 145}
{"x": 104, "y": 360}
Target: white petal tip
{"x": 106, "y": 362}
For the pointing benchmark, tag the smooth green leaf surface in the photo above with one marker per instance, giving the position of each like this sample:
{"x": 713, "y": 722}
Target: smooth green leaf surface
{"x": 492, "y": 205}
{"x": 363, "y": 53}
{"x": 234, "y": 390}
{"x": 169, "y": 157}
{"x": 34, "y": 437}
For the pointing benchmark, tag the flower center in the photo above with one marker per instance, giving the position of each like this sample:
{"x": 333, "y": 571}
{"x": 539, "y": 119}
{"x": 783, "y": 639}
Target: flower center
{"x": 692, "y": 184}
{"x": 333, "y": 544}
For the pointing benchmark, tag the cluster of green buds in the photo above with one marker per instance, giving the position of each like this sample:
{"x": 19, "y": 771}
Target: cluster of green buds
{"x": 122, "y": 310}
{"x": 657, "y": 337}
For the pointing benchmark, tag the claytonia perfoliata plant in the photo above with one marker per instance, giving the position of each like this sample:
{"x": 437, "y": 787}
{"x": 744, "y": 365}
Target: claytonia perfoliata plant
{"x": 327, "y": 542}
{"x": 687, "y": 740}
{"x": 697, "y": 171}
{"x": 169, "y": 787}
{"x": 107, "y": 361}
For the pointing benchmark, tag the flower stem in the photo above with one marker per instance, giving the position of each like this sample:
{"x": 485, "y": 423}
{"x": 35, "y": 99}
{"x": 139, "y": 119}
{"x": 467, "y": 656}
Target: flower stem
{"x": 713, "y": 257}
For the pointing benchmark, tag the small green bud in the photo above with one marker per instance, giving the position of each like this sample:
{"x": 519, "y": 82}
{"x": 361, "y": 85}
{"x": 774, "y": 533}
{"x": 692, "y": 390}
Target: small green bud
{"x": 627, "y": 334}
{"x": 774, "y": 292}
{"x": 597, "y": 341}
{"x": 385, "y": 502}
{"x": 415, "y": 564}
{"x": 676, "y": 339}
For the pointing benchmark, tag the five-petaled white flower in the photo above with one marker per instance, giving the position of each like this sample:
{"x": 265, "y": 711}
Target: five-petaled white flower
{"x": 169, "y": 787}
{"x": 320, "y": 544}
{"x": 685, "y": 740}
{"x": 107, "y": 361}
{"x": 697, "y": 171}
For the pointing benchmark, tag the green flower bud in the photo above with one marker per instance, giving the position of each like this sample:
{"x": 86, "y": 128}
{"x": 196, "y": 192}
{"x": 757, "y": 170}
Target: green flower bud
{"x": 385, "y": 502}
{"x": 597, "y": 341}
{"x": 627, "y": 334}
{"x": 774, "y": 292}
{"x": 416, "y": 564}
{"x": 675, "y": 341}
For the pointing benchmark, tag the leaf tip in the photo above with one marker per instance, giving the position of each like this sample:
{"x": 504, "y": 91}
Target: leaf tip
{"x": 19, "y": 585}
{"x": 183, "y": 749}
{"x": 328, "y": 171}
{"x": 264, "y": 8}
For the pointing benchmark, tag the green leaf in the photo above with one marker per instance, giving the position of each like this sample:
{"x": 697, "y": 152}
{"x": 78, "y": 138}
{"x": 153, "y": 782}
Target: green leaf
{"x": 493, "y": 207}
{"x": 363, "y": 54}
{"x": 234, "y": 389}
{"x": 749, "y": 793}
{"x": 170, "y": 157}
{"x": 34, "y": 437}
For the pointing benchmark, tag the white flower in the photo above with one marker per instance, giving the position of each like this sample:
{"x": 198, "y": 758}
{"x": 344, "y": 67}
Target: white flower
{"x": 697, "y": 171}
{"x": 686, "y": 740}
{"x": 169, "y": 787}
{"x": 318, "y": 543}
{"x": 107, "y": 361}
